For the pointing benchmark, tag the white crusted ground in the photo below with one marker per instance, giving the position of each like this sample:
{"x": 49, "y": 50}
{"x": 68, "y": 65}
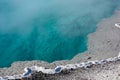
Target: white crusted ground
{"x": 58, "y": 69}
{"x": 105, "y": 42}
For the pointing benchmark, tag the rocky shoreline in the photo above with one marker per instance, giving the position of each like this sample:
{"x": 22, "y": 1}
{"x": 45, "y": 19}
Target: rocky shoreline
{"x": 102, "y": 44}
{"x": 42, "y": 73}
{"x": 106, "y": 71}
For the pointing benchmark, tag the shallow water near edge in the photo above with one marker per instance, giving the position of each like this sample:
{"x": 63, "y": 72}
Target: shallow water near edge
{"x": 48, "y": 30}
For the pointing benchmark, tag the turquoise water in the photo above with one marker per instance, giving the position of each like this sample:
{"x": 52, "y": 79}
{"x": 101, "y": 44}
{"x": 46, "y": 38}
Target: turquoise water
{"x": 48, "y": 30}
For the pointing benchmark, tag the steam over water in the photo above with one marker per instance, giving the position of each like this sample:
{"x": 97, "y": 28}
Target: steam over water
{"x": 48, "y": 30}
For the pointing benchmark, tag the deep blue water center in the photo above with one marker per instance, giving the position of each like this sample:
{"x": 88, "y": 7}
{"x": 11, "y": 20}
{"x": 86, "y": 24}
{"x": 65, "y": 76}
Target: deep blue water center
{"x": 48, "y": 30}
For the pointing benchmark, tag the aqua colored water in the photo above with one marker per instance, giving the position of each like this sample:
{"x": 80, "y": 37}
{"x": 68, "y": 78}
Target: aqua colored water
{"x": 48, "y": 30}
